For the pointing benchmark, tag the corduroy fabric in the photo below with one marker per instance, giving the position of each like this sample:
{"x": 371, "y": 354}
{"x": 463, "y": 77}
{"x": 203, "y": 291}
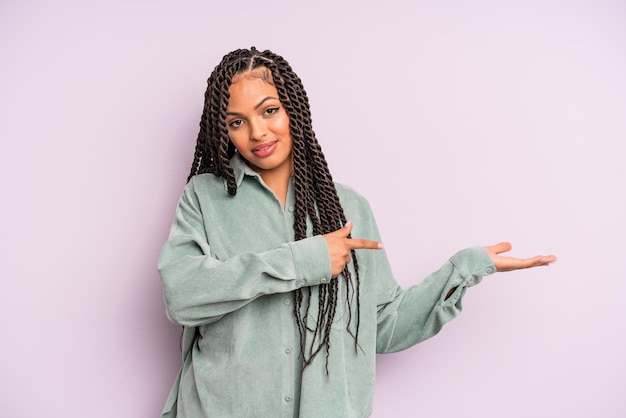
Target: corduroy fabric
{"x": 229, "y": 269}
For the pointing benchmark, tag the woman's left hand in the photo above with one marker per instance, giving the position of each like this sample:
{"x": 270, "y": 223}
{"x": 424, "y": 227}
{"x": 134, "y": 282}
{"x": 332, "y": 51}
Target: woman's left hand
{"x": 504, "y": 263}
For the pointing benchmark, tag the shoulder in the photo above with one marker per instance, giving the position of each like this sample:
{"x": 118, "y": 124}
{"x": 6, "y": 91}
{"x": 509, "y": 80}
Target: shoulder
{"x": 358, "y": 210}
{"x": 203, "y": 189}
{"x": 207, "y": 182}
{"x": 347, "y": 192}
{"x": 351, "y": 199}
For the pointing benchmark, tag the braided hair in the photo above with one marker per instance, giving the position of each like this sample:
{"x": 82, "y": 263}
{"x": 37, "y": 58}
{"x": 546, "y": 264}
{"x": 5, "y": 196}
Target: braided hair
{"x": 315, "y": 193}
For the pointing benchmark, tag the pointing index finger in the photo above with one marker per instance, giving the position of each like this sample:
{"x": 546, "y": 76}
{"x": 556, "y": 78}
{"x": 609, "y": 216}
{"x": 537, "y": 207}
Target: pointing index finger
{"x": 356, "y": 244}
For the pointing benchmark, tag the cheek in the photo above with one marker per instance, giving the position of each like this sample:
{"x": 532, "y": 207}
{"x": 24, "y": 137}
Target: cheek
{"x": 283, "y": 126}
{"x": 236, "y": 138}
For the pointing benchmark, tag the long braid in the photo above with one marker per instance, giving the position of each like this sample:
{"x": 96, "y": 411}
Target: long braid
{"x": 316, "y": 196}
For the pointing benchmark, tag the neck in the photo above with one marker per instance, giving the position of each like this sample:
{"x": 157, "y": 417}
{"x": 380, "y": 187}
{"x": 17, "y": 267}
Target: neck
{"x": 278, "y": 180}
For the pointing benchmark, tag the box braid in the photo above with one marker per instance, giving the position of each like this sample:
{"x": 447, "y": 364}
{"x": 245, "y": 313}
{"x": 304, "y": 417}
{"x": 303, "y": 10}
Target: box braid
{"x": 315, "y": 192}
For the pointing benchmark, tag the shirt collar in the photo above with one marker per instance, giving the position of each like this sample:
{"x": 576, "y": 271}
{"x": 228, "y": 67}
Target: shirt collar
{"x": 241, "y": 169}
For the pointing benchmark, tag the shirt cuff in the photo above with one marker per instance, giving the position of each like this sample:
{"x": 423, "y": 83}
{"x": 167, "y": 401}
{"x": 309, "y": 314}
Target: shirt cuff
{"x": 312, "y": 261}
{"x": 473, "y": 264}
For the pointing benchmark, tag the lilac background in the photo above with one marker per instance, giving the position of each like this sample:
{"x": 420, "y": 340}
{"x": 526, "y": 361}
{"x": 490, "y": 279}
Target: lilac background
{"x": 464, "y": 123}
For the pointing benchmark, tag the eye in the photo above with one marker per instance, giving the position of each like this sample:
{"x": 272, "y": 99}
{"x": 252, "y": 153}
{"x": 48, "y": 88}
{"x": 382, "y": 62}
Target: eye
{"x": 271, "y": 110}
{"x": 235, "y": 124}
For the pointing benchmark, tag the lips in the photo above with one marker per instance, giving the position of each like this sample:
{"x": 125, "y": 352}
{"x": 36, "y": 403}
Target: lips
{"x": 265, "y": 149}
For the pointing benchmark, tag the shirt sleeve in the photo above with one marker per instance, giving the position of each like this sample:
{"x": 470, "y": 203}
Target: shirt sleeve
{"x": 200, "y": 289}
{"x": 408, "y": 316}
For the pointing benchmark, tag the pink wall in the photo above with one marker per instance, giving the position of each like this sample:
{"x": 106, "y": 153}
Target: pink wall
{"x": 463, "y": 125}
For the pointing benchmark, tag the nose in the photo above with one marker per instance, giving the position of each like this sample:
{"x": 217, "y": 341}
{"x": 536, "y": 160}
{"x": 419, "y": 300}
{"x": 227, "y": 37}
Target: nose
{"x": 258, "y": 129}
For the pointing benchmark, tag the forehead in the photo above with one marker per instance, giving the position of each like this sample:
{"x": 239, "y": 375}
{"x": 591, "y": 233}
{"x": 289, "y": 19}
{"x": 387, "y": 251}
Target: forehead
{"x": 248, "y": 90}
{"x": 262, "y": 73}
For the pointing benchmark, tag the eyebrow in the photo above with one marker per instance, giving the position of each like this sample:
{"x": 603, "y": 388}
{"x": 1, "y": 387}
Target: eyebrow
{"x": 257, "y": 105}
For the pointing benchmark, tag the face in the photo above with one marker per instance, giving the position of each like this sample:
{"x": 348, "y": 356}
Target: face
{"x": 258, "y": 125}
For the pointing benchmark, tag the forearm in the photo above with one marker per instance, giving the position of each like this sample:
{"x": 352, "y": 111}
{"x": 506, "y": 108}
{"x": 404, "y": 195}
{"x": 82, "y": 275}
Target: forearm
{"x": 419, "y": 312}
{"x": 199, "y": 289}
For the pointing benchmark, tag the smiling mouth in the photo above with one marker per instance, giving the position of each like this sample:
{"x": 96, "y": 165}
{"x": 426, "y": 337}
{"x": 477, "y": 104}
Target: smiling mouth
{"x": 264, "y": 149}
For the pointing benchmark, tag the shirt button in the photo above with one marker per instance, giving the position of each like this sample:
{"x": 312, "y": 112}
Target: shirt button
{"x": 287, "y": 398}
{"x": 288, "y": 350}
{"x": 290, "y": 209}
{"x": 489, "y": 270}
{"x": 301, "y": 282}
{"x": 323, "y": 280}
{"x": 286, "y": 301}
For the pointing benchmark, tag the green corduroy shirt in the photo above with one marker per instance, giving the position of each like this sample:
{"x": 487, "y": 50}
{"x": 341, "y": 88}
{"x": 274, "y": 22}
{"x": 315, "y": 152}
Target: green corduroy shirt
{"x": 229, "y": 269}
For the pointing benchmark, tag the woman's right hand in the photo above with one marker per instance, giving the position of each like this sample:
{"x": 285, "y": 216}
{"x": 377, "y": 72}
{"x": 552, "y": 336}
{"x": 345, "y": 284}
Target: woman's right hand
{"x": 340, "y": 246}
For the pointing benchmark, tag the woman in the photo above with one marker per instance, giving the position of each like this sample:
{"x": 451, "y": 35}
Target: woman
{"x": 283, "y": 311}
